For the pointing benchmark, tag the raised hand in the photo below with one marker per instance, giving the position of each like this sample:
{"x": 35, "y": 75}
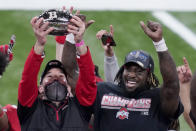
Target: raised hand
{"x": 41, "y": 30}
{"x": 184, "y": 72}
{"x": 70, "y": 9}
{"x": 83, "y": 18}
{"x": 61, "y": 39}
{"x": 153, "y": 30}
{"x": 107, "y": 48}
{"x": 77, "y": 27}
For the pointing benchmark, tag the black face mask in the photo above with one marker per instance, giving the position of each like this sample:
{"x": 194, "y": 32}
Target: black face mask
{"x": 56, "y": 91}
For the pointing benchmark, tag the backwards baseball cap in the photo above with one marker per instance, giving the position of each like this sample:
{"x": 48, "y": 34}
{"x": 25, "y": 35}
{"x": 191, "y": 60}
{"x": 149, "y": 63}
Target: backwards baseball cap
{"x": 52, "y": 64}
{"x": 142, "y": 58}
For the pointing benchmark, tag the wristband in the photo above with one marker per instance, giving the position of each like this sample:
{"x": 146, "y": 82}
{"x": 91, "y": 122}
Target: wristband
{"x": 160, "y": 46}
{"x": 80, "y": 44}
{"x": 70, "y": 38}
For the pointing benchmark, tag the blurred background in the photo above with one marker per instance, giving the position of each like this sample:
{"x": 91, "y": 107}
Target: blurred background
{"x": 177, "y": 17}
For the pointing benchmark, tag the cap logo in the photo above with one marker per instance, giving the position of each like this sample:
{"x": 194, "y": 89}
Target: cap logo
{"x": 140, "y": 55}
{"x": 137, "y": 54}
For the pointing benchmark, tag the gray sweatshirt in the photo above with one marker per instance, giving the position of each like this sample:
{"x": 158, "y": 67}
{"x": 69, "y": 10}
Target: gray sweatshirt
{"x": 111, "y": 68}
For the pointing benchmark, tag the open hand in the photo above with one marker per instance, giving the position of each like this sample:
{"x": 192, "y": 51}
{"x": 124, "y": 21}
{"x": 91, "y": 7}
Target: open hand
{"x": 77, "y": 27}
{"x": 41, "y": 30}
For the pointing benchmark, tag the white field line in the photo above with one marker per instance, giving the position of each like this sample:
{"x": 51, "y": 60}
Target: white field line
{"x": 177, "y": 27}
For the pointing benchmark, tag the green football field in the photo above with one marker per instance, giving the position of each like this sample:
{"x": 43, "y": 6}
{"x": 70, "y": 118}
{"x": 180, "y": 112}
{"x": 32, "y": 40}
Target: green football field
{"x": 127, "y": 34}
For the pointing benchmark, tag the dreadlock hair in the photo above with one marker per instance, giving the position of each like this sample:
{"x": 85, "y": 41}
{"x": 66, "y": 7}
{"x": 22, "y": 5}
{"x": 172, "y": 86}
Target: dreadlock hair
{"x": 175, "y": 125}
{"x": 4, "y": 60}
{"x": 118, "y": 78}
{"x": 152, "y": 80}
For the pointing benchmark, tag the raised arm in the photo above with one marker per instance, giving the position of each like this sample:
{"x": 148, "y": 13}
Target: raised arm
{"x": 185, "y": 76}
{"x": 86, "y": 85}
{"x": 193, "y": 97}
{"x": 69, "y": 54}
{"x": 110, "y": 61}
{"x": 70, "y": 64}
{"x": 60, "y": 41}
{"x": 28, "y": 90}
{"x": 170, "y": 88}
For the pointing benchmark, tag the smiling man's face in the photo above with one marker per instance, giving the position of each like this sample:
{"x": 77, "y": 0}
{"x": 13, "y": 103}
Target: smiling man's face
{"x": 134, "y": 77}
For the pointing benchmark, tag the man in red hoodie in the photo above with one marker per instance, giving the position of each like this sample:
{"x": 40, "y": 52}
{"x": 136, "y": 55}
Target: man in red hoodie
{"x": 56, "y": 110}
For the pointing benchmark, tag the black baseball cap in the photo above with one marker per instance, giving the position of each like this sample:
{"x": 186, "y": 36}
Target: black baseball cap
{"x": 142, "y": 58}
{"x": 52, "y": 64}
